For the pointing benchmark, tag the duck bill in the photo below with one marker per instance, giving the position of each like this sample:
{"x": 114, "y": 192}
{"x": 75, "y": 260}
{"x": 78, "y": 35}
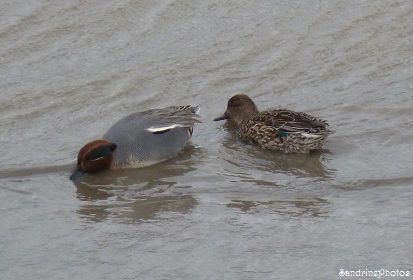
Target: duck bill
{"x": 223, "y": 117}
{"x": 76, "y": 175}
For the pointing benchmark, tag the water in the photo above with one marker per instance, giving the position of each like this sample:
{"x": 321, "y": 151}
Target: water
{"x": 222, "y": 209}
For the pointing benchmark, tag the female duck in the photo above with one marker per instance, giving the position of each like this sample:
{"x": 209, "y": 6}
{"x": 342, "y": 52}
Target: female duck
{"x": 138, "y": 140}
{"x": 277, "y": 129}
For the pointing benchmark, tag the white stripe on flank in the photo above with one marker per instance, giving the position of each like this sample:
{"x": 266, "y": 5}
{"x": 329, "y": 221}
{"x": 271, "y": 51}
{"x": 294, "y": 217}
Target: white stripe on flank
{"x": 163, "y": 128}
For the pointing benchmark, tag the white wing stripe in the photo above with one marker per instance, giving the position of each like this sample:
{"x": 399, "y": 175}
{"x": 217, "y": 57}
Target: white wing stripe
{"x": 163, "y": 128}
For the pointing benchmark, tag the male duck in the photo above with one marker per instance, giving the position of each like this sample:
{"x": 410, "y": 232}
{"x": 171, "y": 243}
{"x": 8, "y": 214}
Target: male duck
{"x": 138, "y": 140}
{"x": 277, "y": 129}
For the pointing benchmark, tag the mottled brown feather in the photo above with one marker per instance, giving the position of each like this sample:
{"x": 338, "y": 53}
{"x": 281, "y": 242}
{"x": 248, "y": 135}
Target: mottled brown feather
{"x": 276, "y": 129}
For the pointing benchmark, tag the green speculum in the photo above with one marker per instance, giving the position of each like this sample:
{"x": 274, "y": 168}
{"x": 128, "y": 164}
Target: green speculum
{"x": 281, "y": 133}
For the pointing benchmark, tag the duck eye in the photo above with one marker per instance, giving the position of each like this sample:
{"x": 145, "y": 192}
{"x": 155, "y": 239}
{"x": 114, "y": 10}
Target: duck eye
{"x": 98, "y": 152}
{"x": 233, "y": 103}
{"x": 236, "y": 103}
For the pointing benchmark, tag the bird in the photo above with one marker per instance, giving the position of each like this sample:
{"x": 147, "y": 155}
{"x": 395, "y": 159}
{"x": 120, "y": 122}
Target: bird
{"x": 284, "y": 130}
{"x": 138, "y": 140}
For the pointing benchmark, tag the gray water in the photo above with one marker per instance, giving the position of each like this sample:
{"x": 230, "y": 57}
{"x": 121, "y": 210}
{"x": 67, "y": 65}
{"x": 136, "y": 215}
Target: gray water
{"x": 222, "y": 209}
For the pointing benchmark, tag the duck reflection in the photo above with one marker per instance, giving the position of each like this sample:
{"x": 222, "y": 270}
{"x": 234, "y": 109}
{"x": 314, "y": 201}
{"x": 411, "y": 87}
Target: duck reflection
{"x": 132, "y": 195}
{"x": 315, "y": 207}
{"x": 299, "y": 165}
{"x": 138, "y": 209}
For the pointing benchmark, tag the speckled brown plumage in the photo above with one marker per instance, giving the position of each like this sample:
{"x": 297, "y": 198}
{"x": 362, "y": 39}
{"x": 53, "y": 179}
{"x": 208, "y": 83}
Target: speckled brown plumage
{"x": 278, "y": 129}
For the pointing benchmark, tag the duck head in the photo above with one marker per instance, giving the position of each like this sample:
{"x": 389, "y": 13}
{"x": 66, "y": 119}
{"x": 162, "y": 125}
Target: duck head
{"x": 95, "y": 156}
{"x": 239, "y": 109}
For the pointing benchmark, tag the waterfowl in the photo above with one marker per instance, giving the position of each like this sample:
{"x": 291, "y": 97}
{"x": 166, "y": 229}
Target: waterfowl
{"x": 276, "y": 129}
{"x": 138, "y": 140}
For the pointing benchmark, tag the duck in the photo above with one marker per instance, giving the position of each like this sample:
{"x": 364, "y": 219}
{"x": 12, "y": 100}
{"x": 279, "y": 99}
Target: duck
{"x": 283, "y": 130}
{"x": 138, "y": 140}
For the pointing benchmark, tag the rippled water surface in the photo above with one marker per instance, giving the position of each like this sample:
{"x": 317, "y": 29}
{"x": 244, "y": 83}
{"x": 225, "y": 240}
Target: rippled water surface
{"x": 222, "y": 209}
